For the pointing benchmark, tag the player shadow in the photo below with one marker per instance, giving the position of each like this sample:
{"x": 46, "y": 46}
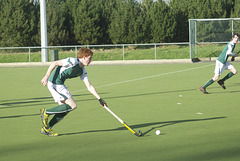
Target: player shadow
{"x": 168, "y": 123}
{"x": 18, "y": 102}
{"x": 138, "y": 126}
{"x": 36, "y": 101}
{"x": 140, "y": 94}
{"x": 17, "y": 116}
{"x": 152, "y": 93}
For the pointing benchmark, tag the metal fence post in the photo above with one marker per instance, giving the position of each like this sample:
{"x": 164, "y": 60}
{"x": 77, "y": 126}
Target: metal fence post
{"x": 123, "y": 53}
{"x": 29, "y": 52}
{"x": 155, "y": 52}
{"x": 76, "y": 51}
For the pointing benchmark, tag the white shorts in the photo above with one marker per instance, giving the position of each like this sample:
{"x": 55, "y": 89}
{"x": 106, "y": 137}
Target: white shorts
{"x": 220, "y": 67}
{"x": 59, "y": 92}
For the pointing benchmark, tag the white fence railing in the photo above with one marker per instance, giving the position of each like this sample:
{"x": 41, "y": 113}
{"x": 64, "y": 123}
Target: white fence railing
{"x": 74, "y": 48}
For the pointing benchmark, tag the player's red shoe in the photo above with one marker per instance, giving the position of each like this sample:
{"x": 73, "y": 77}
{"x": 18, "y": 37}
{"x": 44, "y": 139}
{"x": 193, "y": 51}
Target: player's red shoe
{"x": 203, "y": 90}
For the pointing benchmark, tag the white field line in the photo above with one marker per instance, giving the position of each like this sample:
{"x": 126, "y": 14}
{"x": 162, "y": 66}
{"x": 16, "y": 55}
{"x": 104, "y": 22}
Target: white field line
{"x": 137, "y": 79}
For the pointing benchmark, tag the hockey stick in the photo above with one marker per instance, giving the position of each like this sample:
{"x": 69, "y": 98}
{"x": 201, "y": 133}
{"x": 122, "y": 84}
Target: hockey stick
{"x": 122, "y": 122}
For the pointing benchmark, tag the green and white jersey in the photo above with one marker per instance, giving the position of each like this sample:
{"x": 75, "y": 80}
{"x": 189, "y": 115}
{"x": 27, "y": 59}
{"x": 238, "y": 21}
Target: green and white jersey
{"x": 70, "y": 69}
{"x": 227, "y": 51}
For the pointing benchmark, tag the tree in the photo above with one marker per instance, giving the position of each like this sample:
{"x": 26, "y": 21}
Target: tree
{"x": 235, "y": 14}
{"x": 58, "y": 29}
{"x": 138, "y": 28}
{"x": 107, "y": 7}
{"x": 128, "y": 23}
{"x": 180, "y": 12}
{"x": 18, "y": 25}
{"x": 109, "y": 21}
{"x": 71, "y": 9}
{"x": 197, "y": 9}
{"x": 118, "y": 28}
{"x": 86, "y": 22}
{"x": 163, "y": 24}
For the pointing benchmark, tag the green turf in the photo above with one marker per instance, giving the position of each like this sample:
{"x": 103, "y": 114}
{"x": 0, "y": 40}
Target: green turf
{"x": 194, "y": 127}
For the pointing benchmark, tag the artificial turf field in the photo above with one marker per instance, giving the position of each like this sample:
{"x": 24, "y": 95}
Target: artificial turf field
{"x": 162, "y": 97}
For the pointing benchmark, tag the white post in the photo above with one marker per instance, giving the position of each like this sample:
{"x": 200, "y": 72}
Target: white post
{"x": 76, "y": 52}
{"x": 44, "y": 41}
{"x": 29, "y": 55}
{"x": 195, "y": 39}
{"x": 123, "y": 53}
{"x": 155, "y": 51}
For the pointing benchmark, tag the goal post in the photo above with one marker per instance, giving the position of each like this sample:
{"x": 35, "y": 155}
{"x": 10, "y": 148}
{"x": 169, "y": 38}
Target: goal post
{"x": 192, "y": 38}
{"x": 210, "y": 31}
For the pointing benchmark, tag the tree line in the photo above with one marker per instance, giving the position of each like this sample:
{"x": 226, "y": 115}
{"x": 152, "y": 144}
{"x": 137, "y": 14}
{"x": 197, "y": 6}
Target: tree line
{"x": 85, "y": 22}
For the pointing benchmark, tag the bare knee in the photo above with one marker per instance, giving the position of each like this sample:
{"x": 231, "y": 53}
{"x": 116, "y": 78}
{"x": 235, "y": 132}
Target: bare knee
{"x": 215, "y": 78}
{"x": 71, "y": 103}
{"x": 235, "y": 72}
{"x": 73, "y": 107}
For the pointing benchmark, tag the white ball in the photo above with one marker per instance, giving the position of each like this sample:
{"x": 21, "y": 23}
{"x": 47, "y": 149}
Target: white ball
{"x": 158, "y": 132}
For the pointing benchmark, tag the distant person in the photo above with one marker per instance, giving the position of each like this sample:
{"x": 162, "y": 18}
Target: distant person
{"x": 222, "y": 64}
{"x": 55, "y": 77}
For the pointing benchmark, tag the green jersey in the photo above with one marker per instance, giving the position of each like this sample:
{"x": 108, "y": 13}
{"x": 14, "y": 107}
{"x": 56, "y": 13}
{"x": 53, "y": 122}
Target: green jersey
{"x": 70, "y": 69}
{"x": 227, "y": 51}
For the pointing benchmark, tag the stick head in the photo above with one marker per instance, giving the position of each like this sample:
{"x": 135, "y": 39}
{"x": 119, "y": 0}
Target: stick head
{"x": 138, "y": 133}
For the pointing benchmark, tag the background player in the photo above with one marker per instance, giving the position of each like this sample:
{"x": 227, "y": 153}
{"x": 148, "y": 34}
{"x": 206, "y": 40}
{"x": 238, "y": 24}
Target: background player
{"x": 222, "y": 64}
